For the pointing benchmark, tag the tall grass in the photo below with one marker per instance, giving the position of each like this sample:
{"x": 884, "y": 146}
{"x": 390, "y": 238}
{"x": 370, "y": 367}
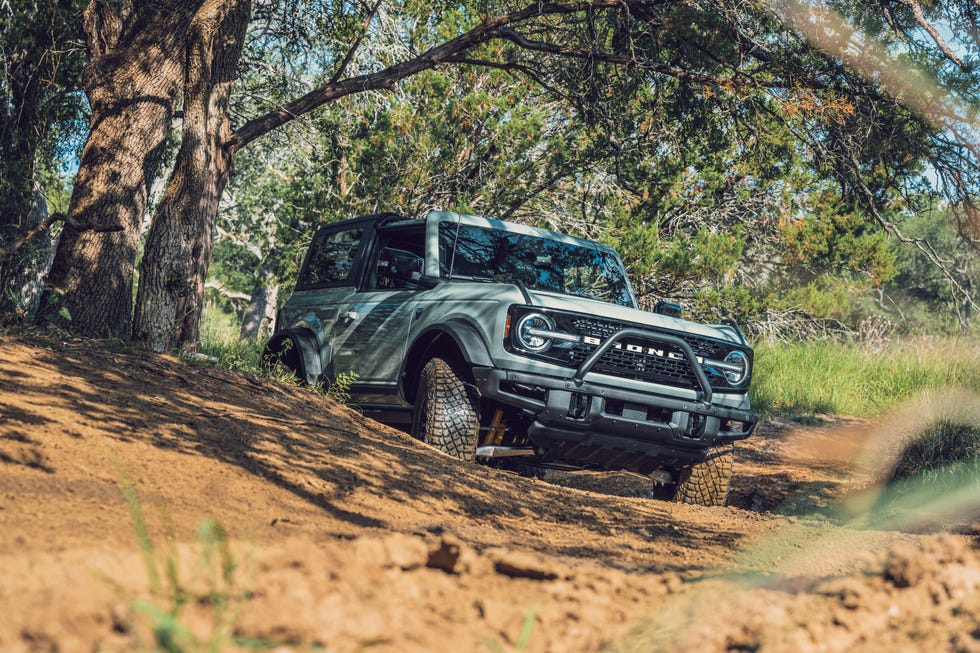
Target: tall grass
{"x": 854, "y": 379}
{"x": 221, "y": 341}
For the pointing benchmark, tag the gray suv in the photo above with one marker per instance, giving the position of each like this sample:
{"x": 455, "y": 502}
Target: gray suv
{"x": 509, "y": 344}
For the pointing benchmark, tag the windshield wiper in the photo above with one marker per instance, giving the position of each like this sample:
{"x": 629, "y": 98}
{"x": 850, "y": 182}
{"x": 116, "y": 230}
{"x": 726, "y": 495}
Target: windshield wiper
{"x": 464, "y": 277}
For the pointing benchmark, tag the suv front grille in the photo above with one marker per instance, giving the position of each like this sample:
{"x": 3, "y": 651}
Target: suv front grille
{"x": 638, "y": 359}
{"x": 671, "y": 368}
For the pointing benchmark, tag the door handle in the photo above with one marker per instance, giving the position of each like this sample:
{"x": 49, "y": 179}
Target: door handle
{"x": 350, "y": 315}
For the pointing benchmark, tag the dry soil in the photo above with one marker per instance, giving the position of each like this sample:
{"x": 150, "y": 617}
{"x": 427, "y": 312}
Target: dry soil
{"x": 346, "y": 535}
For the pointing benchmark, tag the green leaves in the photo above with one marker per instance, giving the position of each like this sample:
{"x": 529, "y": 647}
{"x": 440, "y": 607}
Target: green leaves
{"x": 736, "y": 164}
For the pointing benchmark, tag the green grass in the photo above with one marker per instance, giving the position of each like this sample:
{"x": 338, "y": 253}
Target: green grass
{"x": 237, "y": 355}
{"x": 851, "y": 379}
{"x": 221, "y": 342}
{"x": 523, "y": 639}
{"x": 212, "y": 584}
{"x": 937, "y": 462}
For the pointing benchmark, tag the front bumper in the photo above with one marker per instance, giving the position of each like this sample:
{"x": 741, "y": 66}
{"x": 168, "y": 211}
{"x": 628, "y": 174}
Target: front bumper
{"x": 604, "y": 426}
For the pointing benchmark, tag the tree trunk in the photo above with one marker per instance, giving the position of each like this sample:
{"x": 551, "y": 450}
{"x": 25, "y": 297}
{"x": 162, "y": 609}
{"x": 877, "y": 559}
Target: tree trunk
{"x": 37, "y": 68}
{"x": 261, "y": 312}
{"x": 178, "y": 247}
{"x": 22, "y": 274}
{"x": 132, "y": 83}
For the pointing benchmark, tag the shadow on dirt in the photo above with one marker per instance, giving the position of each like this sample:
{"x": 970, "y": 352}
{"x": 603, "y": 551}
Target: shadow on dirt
{"x": 783, "y": 495}
{"x": 334, "y": 458}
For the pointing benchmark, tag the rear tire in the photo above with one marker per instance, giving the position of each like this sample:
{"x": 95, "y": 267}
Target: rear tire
{"x": 284, "y": 358}
{"x": 446, "y": 413}
{"x": 706, "y": 483}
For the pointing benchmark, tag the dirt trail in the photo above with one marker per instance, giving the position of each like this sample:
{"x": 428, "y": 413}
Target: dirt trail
{"x": 349, "y": 536}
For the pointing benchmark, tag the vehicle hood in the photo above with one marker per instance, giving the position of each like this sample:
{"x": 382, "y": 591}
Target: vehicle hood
{"x": 633, "y": 316}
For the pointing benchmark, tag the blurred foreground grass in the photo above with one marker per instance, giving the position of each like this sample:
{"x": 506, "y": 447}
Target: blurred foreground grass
{"x": 833, "y": 580}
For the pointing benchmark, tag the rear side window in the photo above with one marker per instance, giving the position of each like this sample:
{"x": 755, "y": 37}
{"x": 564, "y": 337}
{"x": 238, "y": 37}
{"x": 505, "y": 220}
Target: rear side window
{"x": 331, "y": 258}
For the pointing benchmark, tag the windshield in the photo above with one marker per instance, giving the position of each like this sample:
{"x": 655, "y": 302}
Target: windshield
{"x": 470, "y": 252}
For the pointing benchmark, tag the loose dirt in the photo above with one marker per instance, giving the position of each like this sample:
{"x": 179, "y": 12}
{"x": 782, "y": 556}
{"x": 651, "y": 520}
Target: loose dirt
{"x": 265, "y": 515}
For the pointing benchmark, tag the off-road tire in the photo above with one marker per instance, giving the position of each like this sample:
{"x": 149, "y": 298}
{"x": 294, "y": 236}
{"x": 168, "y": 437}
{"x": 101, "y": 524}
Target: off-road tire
{"x": 446, "y": 411}
{"x": 284, "y": 360}
{"x": 706, "y": 483}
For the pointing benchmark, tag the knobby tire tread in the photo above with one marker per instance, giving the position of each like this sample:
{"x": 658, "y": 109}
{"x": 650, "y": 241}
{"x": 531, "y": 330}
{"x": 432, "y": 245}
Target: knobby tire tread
{"x": 706, "y": 483}
{"x": 450, "y": 421}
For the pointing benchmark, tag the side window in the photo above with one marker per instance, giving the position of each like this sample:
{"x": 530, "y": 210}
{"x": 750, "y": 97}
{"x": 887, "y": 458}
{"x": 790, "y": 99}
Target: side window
{"x": 401, "y": 259}
{"x": 331, "y": 257}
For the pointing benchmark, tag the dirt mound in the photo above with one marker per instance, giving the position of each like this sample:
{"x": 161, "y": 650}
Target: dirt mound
{"x": 276, "y": 517}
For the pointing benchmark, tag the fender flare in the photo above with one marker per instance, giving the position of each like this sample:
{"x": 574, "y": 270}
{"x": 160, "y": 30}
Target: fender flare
{"x": 464, "y": 336}
{"x": 314, "y": 362}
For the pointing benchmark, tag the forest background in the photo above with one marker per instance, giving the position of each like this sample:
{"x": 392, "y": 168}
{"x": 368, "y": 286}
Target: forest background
{"x": 804, "y": 167}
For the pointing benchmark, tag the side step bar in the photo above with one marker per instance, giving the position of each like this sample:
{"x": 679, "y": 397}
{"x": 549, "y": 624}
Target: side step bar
{"x": 495, "y": 451}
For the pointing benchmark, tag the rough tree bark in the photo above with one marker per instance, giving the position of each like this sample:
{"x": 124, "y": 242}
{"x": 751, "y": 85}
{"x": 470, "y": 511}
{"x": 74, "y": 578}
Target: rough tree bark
{"x": 132, "y": 82}
{"x": 175, "y": 275}
{"x": 178, "y": 247}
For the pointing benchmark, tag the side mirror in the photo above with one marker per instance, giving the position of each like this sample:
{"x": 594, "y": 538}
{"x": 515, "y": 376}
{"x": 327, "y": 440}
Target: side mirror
{"x": 670, "y": 309}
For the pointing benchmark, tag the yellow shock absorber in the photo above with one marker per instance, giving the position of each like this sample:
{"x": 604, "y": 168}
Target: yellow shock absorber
{"x": 497, "y": 428}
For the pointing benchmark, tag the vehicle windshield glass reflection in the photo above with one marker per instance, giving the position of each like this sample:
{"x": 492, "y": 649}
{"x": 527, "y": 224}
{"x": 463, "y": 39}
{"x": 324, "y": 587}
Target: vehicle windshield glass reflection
{"x": 470, "y": 252}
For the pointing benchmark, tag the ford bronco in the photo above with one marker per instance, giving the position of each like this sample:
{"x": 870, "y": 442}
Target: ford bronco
{"x": 501, "y": 342}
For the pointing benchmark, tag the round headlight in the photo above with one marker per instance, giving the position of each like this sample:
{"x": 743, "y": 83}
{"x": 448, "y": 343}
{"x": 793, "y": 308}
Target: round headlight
{"x": 528, "y": 332}
{"x": 739, "y": 358}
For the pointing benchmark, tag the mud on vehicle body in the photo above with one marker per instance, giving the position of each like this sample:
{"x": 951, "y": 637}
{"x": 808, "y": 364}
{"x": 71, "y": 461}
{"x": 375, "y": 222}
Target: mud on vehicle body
{"x": 501, "y": 343}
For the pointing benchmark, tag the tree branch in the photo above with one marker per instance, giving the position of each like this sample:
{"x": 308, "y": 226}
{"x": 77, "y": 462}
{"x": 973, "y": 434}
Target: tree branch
{"x": 892, "y": 229}
{"x": 225, "y": 292}
{"x": 29, "y": 235}
{"x": 385, "y": 79}
{"x": 349, "y": 56}
{"x": 563, "y": 51}
{"x": 931, "y": 30}
{"x": 527, "y": 71}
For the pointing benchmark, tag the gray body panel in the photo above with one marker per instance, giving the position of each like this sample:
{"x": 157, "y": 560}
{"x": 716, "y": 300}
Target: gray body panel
{"x": 373, "y": 331}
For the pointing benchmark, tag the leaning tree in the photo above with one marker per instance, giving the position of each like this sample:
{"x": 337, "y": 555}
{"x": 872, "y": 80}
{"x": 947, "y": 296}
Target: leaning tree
{"x": 147, "y": 59}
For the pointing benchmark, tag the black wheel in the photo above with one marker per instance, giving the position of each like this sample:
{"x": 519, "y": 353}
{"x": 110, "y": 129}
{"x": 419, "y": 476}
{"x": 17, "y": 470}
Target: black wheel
{"x": 283, "y": 357}
{"x": 706, "y": 483}
{"x": 446, "y": 411}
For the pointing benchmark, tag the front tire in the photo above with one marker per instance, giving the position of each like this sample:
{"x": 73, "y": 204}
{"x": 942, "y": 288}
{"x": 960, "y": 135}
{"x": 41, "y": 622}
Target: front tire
{"x": 706, "y": 483}
{"x": 446, "y": 413}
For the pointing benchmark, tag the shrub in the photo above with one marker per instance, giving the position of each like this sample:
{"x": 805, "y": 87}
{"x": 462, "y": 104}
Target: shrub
{"x": 945, "y": 455}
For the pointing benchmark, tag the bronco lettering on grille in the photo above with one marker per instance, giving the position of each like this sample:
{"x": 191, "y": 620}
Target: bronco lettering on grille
{"x": 637, "y": 349}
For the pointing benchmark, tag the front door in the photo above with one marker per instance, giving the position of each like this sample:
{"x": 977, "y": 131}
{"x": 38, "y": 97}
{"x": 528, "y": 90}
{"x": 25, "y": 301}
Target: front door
{"x": 370, "y": 336}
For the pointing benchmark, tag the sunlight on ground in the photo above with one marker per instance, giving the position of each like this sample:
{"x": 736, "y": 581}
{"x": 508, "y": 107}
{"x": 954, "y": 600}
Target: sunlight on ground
{"x": 797, "y": 559}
